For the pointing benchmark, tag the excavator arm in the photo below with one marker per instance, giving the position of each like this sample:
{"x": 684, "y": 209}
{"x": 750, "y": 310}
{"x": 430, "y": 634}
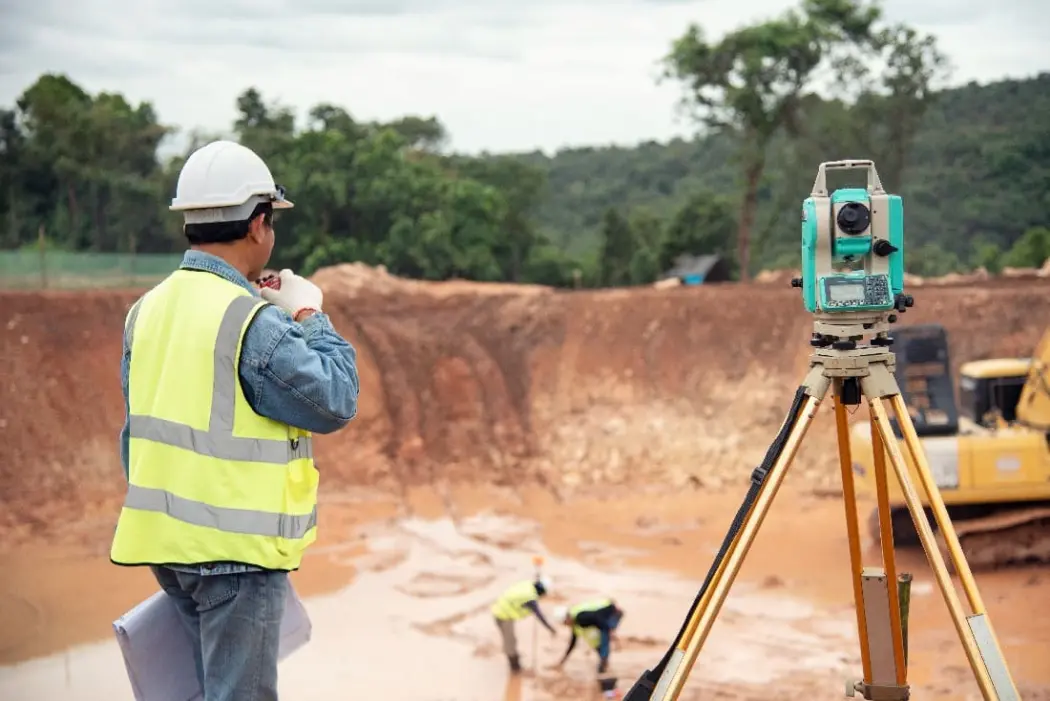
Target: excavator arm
{"x": 1033, "y": 408}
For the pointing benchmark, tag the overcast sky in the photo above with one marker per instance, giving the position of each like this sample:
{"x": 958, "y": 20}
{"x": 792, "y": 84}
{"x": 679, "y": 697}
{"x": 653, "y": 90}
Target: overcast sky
{"x": 500, "y": 74}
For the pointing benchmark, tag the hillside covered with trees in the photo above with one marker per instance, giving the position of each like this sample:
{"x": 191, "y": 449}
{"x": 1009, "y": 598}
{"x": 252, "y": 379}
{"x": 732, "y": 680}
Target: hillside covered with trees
{"x": 972, "y": 163}
{"x": 979, "y": 178}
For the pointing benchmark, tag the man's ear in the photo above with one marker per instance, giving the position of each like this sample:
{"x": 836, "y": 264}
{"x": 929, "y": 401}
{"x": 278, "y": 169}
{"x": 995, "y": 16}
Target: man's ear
{"x": 257, "y": 228}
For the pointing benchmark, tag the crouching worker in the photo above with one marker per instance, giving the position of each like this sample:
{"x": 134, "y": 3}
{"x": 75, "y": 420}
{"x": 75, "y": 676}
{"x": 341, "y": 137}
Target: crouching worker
{"x": 596, "y": 622}
{"x": 517, "y": 602}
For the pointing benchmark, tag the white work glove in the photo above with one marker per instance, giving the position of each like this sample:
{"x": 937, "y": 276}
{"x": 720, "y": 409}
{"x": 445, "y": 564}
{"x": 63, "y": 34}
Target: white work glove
{"x": 295, "y": 293}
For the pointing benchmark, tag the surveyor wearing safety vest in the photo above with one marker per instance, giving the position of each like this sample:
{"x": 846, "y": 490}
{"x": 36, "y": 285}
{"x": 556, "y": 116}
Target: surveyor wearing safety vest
{"x": 595, "y": 621}
{"x": 517, "y": 602}
{"x": 224, "y": 386}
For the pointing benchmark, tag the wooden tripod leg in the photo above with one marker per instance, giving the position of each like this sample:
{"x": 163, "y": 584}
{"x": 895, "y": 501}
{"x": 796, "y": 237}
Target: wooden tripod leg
{"x": 694, "y": 620}
{"x": 849, "y": 499}
{"x": 872, "y": 385}
{"x": 888, "y": 561}
{"x": 734, "y": 559}
{"x": 940, "y": 512}
{"x": 979, "y": 623}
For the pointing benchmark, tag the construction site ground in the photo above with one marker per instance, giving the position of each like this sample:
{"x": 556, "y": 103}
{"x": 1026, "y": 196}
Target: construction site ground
{"x": 612, "y": 432}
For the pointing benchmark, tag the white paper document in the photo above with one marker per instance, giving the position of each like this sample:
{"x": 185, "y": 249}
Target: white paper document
{"x": 158, "y": 655}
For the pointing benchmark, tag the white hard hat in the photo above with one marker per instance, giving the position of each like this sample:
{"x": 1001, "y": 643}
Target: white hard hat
{"x": 545, "y": 582}
{"x": 560, "y": 612}
{"x": 224, "y": 181}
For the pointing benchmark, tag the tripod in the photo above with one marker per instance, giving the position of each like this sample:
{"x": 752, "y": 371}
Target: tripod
{"x": 853, "y": 372}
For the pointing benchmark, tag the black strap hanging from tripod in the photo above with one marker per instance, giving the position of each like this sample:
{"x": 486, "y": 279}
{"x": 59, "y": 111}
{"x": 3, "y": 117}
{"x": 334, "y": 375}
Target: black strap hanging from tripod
{"x": 643, "y": 688}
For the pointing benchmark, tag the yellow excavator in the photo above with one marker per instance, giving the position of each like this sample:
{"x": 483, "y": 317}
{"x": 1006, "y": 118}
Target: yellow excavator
{"x": 988, "y": 451}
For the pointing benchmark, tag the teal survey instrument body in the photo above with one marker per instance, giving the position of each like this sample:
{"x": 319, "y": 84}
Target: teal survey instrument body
{"x": 852, "y": 245}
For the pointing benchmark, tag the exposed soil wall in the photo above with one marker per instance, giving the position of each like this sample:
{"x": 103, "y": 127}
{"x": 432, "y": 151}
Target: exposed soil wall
{"x": 500, "y": 384}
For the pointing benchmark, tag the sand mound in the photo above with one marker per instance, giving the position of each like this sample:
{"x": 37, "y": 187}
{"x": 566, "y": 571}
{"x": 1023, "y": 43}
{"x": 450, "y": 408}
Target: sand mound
{"x": 353, "y": 279}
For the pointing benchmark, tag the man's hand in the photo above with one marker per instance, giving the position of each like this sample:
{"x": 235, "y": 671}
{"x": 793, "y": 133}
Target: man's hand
{"x": 295, "y": 294}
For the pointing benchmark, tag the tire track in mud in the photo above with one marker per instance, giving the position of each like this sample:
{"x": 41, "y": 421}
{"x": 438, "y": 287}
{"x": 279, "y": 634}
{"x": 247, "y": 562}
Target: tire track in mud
{"x": 24, "y": 615}
{"x": 500, "y": 418}
{"x": 446, "y": 627}
{"x": 512, "y": 346}
{"x": 399, "y": 399}
{"x": 495, "y": 433}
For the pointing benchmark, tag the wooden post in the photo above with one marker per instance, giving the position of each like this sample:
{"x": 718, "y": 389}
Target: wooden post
{"x": 131, "y": 262}
{"x": 904, "y": 594}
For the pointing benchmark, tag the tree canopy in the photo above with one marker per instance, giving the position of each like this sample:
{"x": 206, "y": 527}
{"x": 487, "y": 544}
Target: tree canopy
{"x": 972, "y": 163}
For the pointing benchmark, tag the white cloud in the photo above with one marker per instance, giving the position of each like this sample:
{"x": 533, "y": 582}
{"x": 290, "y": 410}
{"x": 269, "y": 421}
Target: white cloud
{"x": 501, "y": 75}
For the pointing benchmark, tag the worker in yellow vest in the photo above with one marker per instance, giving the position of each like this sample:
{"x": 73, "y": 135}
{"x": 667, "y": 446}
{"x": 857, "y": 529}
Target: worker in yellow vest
{"x": 224, "y": 385}
{"x": 517, "y": 602}
{"x": 596, "y": 622}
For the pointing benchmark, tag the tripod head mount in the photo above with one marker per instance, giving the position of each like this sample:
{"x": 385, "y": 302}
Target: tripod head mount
{"x": 843, "y": 330}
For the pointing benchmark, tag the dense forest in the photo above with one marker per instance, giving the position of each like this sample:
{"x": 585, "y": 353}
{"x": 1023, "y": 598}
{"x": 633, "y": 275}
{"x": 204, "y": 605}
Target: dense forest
{"x": 980, "y": 178}
{"x": 972, "y": 163}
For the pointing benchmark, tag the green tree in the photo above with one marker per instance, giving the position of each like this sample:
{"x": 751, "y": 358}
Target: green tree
{"x": 1029, "y": 251}
{"x": 522, "y": 186}
{"x": 988, "y": 256}
{"x": 704, "y": 225}
{"x": 618, "y": 247}
{"x": 749, "y": 84}
{"x": 648, "y": 232}
{"x": 931, "y": 261}
{"x": 891, "y": 106}
{"x": 13, "y": 171}
{"x": 88, "y": 166}
{"x": 425, "y": 134}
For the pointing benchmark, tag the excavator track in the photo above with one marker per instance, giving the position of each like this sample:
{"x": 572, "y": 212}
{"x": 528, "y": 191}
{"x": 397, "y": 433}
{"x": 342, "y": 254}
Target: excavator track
{"x": 1013, "y": 537}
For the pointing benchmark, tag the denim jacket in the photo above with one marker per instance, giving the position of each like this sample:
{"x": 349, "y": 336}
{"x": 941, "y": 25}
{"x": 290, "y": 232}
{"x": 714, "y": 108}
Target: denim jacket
{"x": 303, "y": 375}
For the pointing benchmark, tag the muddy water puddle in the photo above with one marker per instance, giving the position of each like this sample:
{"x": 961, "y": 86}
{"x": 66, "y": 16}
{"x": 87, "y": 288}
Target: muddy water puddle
{"x": 415, "y": 625}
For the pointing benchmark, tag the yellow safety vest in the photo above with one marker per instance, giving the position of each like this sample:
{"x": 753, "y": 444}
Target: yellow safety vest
{"x": 209, "y": 479}
{"x": 591, "y": 634}
{"x": 511, "y": 605}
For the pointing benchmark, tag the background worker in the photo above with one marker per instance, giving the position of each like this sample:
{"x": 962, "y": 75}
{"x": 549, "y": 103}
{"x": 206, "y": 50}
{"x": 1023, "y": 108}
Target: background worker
{"x": 517, "y": 602}
{"x": 223, "y": 387}
{"x": 596, "y": 622}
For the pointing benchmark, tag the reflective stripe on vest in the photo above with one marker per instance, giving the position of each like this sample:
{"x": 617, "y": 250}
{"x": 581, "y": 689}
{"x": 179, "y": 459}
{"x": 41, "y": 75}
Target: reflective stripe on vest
{"x": 218, "y": 441}
{"x": 174, "y": 512}
{"x": 589, "y": 633}
{"x": 510, "y": 606}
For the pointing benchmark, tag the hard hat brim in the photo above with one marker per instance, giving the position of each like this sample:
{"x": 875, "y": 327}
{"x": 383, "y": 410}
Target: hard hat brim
{"x": 278, "y": 200}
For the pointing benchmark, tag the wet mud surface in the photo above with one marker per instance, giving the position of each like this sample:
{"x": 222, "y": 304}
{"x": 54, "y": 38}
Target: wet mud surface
{"x": 399, "y": 590}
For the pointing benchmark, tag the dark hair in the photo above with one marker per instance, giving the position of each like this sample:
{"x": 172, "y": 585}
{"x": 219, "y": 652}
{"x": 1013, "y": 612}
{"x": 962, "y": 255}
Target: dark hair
{"x": 226, "y": 231}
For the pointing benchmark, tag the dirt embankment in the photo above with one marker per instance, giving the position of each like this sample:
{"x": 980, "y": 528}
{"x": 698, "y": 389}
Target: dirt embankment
{"x": 499, "y": 384}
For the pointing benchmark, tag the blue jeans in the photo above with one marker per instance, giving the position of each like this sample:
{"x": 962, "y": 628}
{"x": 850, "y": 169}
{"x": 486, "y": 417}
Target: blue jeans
{"x": 612, "y": 623}
{"x": 234, "y": 623}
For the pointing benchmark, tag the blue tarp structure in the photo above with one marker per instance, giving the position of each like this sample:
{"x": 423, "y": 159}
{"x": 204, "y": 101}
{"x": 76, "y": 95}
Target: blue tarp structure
{"x": 698, "y": 270}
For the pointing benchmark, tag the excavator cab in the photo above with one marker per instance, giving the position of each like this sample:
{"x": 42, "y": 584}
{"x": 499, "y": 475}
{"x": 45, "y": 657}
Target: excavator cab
{"x": 924, "y": 375}
{"x": 989, "y": 390}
